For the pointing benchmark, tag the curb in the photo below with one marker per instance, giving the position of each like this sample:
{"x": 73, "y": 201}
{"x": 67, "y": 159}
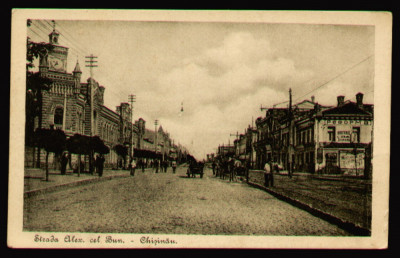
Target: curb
{"x": 76, "y": 183}
{"x": 346, "y": 225}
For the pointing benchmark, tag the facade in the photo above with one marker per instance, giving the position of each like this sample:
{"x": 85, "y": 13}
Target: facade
{"x": 309, "y": 137}
{"x": 343, "y": 138}
{"x": 70, "y": 106}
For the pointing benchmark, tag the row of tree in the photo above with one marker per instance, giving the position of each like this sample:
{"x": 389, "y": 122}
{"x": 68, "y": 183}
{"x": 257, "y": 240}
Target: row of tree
{"x": 55, "y": 141}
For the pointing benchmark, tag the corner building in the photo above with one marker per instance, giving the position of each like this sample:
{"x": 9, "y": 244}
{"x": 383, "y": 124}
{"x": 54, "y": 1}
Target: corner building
{"x": 67, "y": 106}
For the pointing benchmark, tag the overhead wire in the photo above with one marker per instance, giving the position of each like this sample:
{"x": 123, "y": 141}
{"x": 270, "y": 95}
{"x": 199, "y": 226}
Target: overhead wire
{"x": 75, "y": 46}
{"x": 335, "y": 77}
{"x": 71, "y": 39}
{"x": 45, "y": 32}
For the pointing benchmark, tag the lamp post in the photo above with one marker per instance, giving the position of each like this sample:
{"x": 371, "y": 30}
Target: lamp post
{"x": 132, "y": 98}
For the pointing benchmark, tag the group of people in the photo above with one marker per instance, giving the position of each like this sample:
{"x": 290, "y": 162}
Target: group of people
{"x": 229, "y": 165}
{"x": 163, "y": 165}
{"x": 97, "y": 164}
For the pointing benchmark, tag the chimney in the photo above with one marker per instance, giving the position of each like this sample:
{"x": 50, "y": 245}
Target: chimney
{"x": 312, "y": 99}
{"x": 340, "y": 101}
{"x": 359, "y": 97}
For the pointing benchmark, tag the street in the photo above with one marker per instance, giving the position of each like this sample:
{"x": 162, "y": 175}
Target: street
{"x": 167, "y": 203}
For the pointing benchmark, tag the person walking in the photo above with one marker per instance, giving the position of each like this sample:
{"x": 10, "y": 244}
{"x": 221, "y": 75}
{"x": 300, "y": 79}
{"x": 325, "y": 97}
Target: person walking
{"x": 213, "y": 167}
{"x": 173, "y": 166}
{"x": 165, "y": 166}
{"x": 100, "y": 165}
{"x": 156, "y": 165}
{"x": 64, "y": 162}
{"x": 268, "y": 174}
{"x": 133, "y": 167}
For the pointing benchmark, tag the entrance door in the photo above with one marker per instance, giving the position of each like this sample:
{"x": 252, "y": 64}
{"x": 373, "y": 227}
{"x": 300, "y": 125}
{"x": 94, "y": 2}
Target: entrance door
{"x": 331, "y": 163}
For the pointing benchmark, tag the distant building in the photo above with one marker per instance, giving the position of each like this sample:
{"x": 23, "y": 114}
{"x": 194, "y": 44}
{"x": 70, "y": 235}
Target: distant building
{"x": 315, "y": 138}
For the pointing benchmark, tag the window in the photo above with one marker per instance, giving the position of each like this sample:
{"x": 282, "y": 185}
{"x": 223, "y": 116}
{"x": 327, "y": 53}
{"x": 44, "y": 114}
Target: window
{"x": 58, "y": 116}
{"x": 332, "y": 133}
{"x": 356, "y": 135}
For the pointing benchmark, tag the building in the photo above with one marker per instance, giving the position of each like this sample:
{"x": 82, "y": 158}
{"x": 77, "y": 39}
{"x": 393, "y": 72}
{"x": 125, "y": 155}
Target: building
{"x": 78, "y": 108}
{"x": 343, "y": 138}
{"x": 309, "y": 137}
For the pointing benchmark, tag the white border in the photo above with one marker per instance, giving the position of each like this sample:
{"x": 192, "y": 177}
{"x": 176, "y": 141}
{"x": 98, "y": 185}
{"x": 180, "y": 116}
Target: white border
{"x": 382, "y": 100}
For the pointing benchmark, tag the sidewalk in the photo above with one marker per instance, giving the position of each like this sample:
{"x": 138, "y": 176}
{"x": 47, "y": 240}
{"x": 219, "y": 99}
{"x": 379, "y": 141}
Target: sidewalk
{"x": 35, "y": 183}
{"x": 345, "y": 201}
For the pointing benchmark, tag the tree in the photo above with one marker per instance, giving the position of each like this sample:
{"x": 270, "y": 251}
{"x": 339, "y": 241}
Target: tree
{"x": 51, "y": 141}
{"x": 85, "y": 145}
{"x": 35, "y": 85}
{"x": 78, "y": 144}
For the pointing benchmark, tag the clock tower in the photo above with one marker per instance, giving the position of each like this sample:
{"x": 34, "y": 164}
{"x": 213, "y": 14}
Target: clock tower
{"x": 56, "y": 57}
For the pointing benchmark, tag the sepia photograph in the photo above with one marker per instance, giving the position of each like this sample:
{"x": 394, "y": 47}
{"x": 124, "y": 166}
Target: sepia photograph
{"x": 199, "y": 129}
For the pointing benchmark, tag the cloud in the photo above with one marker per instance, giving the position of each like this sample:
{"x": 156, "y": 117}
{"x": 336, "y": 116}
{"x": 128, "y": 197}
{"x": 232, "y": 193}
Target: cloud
{"x": 222, "y": 88}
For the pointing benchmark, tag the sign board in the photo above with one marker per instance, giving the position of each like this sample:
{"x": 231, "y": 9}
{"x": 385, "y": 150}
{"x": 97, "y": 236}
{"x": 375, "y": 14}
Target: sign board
{"x": 343, "y": 136}
{"x": 348, "y": 161}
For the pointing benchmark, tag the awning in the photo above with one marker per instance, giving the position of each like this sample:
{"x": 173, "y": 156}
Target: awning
{"x": 139, "y": 153}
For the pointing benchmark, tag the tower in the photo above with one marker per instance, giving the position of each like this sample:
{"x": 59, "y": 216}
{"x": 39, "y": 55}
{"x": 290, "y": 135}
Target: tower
{"x": 53, "y": 36}
{"x": 56, "y": 59}
{"x": 77, "y": 75}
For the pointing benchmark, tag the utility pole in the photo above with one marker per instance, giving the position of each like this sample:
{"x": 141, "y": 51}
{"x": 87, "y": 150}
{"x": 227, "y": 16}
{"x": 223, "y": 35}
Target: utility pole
{"x": 290, "y": 143}
{"x": 91, "y": 63}
{"x": 155, "y": 136}
{"x": 132, "y": 98}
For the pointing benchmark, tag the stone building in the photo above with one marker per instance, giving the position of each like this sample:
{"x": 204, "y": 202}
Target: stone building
{"x": 70, "y": 106}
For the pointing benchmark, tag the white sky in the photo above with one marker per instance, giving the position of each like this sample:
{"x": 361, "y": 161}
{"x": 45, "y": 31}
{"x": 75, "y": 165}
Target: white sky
{"x": 222, "y": 72}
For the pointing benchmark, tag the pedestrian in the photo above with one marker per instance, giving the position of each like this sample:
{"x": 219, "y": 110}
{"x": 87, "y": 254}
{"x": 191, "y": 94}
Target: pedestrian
{"x": 92, "y": 166}
{"x": 143, "y": 165}
{"x": 165, "y": 166}
{"x": 156, "y": 165}
{"x": 100, "y": 164}
{"x": 268, "y": 174}
{"x": 173, "y": 166}
{"x": 213, "y": 167}
{"x": 132, "y": 167}
{"x": 64, "y": 162}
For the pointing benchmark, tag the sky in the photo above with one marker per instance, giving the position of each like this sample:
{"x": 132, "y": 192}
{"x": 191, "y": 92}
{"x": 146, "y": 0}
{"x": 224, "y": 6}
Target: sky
{"x": 221, "y": 73}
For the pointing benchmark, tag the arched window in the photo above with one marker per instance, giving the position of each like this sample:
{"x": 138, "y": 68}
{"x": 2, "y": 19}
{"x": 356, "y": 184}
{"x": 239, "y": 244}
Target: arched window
{"x": 58, "y": 116}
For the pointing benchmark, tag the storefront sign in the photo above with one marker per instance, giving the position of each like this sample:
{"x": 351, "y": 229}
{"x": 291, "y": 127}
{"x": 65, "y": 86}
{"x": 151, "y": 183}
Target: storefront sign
{"x": 348, "y": 161}
{"x": 346, "y": 122}
{"x": 343, "y": 136}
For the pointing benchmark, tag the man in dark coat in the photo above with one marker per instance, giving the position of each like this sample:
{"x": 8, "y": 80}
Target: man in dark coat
{"x": 100, "y": 164}
{"x": 64, "y": 162}
{"x": 213, "y": 167}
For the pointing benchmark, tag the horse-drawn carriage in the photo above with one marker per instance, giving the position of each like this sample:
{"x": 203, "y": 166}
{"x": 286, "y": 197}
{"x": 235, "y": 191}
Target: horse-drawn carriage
{"x": 195, "y": 168}
{"x": 231, "y": 168}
